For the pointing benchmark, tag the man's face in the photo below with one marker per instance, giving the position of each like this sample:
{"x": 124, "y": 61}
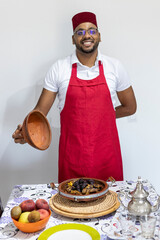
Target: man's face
{"x": 86, "y": 41}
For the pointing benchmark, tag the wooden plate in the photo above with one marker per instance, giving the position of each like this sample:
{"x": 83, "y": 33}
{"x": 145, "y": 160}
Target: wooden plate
{"x": 97, "y": 208}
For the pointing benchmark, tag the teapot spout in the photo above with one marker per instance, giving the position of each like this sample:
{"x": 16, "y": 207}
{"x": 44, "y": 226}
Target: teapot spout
{"x": 156, "y": 206}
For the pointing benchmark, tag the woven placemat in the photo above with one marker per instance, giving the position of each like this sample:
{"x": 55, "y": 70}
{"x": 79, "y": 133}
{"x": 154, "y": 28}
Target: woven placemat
{"x": 96, "y": 206}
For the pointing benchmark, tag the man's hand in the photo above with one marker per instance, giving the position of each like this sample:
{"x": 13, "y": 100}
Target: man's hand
{"x": 18, "y": 136}
{"x": 44, "y": 104}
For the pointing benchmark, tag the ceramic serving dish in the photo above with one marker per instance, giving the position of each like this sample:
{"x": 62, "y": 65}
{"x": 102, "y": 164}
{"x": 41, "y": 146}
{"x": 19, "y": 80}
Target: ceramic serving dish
{"x": 36, "y": 130}
{"x": 87, "y": 197}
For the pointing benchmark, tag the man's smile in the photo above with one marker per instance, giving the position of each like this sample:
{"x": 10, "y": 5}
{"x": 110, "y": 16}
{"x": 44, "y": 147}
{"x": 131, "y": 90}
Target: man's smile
{"x": 87, "y": 43}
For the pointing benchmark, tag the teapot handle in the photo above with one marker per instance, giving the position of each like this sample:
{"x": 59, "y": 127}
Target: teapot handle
{"x": 110, "y": 181}
{"x": 119, "y": 195}
{"x": 156, "y": 206}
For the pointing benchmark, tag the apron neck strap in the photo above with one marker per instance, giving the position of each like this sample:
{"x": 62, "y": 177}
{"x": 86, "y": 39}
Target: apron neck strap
{"x": 74, "y": 70}
{"x": 101, "y": 71}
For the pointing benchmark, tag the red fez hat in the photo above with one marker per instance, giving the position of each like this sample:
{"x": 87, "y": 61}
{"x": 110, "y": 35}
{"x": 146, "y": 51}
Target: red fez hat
{"x": 83, "y": 17}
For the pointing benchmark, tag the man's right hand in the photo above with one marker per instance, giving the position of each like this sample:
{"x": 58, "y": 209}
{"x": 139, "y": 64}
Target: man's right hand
{"x": 18, "y": 136}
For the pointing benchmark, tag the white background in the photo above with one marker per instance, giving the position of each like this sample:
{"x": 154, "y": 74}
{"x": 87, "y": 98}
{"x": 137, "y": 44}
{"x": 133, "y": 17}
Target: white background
{"x": 34, "y": 34}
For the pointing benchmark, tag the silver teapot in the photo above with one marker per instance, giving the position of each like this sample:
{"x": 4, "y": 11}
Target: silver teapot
{"x": 139, "y": 205}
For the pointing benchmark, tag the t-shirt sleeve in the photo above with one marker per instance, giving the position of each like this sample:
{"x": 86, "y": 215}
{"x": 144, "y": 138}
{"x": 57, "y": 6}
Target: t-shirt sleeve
{"x": 123, "y": 80}
{"x": 51, "y": 79}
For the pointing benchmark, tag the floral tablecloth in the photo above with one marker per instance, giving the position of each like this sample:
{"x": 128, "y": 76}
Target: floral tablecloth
{"x": 108, "y": 226}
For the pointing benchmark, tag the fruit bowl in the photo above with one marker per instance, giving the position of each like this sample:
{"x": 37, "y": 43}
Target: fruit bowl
{"x": 36, "y": 130}
{"x": 32, "y": 227}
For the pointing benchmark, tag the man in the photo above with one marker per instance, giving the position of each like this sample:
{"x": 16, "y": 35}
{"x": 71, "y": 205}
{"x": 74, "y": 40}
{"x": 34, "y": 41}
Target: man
{"x": 87, "y": 83}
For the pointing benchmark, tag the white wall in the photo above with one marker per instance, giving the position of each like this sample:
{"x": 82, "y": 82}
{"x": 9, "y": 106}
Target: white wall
{"x": 33, "y": 34}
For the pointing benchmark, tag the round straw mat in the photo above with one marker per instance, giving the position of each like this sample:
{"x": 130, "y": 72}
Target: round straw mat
{"x": 98, "y": 207}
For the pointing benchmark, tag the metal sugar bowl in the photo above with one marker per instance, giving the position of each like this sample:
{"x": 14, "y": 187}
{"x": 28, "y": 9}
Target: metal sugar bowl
{"x": 139, "y": 204}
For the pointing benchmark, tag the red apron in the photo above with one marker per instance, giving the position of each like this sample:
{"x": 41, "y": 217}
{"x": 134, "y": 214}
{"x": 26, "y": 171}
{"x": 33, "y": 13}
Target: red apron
{"x": 89, "y": 144}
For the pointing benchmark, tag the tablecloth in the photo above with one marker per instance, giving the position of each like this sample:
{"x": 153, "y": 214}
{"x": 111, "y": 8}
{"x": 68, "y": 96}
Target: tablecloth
{"x": 108, "y": 226}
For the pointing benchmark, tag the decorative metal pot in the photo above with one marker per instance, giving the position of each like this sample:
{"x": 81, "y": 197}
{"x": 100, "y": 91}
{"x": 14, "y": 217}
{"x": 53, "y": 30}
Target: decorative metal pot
{"x": 139, "y": 204}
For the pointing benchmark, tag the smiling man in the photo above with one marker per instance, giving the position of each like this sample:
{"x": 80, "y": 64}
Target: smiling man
{"x": 86, "y": 36}
{"x": 87, "y": 84}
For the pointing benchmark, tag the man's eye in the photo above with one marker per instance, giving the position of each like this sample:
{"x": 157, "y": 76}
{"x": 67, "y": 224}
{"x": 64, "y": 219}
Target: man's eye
{"x": 92, "y": 31}
{"x": 80, "y": 33}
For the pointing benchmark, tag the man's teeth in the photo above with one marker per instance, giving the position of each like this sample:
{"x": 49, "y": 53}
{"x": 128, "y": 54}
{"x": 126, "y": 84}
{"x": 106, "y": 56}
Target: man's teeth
{"x": 87, "y": 43}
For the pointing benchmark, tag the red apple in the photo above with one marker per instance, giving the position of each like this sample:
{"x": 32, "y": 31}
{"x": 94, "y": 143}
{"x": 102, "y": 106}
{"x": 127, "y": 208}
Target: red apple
{"x": 28, "y": 205}
{"x": 43, "y": 213}
{"x": 41, "y": 203}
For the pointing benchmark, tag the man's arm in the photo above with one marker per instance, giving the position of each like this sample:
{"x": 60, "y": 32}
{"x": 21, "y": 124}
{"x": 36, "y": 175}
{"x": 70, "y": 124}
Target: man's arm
{"x": 44, "y": 104}
{"x": 45, "y": 101}
{"x": 128, "y": 103}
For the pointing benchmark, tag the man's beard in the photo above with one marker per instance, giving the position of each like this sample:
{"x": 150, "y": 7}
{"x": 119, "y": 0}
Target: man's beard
{"x": 80, "y": 48}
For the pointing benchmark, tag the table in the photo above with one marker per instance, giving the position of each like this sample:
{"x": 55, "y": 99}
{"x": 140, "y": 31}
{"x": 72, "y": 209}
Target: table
{"x": 108, "y": 226}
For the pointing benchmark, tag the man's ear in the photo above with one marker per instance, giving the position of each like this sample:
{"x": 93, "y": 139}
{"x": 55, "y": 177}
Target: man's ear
{"x": 73, "y": 41}
{"x": 100, "y": 37}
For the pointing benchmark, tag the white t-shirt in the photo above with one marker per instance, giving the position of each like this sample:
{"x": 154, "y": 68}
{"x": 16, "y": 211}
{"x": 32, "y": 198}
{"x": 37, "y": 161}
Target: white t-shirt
{"x": 57, "y": 78}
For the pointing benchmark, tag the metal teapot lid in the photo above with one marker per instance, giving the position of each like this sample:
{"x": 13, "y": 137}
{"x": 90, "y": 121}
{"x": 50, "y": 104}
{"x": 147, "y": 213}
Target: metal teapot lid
{"x": 139, "y": 191}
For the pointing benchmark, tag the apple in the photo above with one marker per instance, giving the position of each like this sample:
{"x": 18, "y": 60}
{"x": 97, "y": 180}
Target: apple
{"x": 28, "y": 205}
{"x": 43, "y": 213}
{"x": 42, "y": 204}
{"x": 24, "y": 217}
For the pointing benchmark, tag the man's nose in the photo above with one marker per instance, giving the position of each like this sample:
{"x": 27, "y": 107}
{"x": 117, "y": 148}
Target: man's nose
{"x": 86, "y": 35}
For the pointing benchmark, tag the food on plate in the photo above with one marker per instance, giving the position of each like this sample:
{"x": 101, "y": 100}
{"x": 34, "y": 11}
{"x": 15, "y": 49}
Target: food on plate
{"x": 24, "y": 217}
{"x": 16, "y": 212}
{"x": 34, "y": 216}
{"x": 42, "y": 204}
{"x": 43, "y": 213}
{"x": 28, "y": 205}
{"x": 83, "y": 186}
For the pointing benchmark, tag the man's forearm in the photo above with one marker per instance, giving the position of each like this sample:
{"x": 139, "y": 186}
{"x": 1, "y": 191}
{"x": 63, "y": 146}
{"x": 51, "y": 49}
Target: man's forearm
{"x": 128, "y": 103}
{"x": 123, "y": 111}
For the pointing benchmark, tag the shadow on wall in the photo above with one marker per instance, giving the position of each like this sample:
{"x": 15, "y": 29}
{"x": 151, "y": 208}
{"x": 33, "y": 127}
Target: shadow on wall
{"x": 23, "y": 164}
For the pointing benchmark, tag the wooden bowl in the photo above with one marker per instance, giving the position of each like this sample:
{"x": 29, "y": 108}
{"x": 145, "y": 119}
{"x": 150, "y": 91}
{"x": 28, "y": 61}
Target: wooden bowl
{"x": 36, "y": 130}
{"x": 83, "y": 198}
{"x": 32, "y": 227}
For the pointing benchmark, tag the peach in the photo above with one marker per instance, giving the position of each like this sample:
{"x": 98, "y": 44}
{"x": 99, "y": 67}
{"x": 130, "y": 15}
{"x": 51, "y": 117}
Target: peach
{"x": 41, "y": 203}
{"x": 28, "y": 205}
{"x": 43, "y": 213}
